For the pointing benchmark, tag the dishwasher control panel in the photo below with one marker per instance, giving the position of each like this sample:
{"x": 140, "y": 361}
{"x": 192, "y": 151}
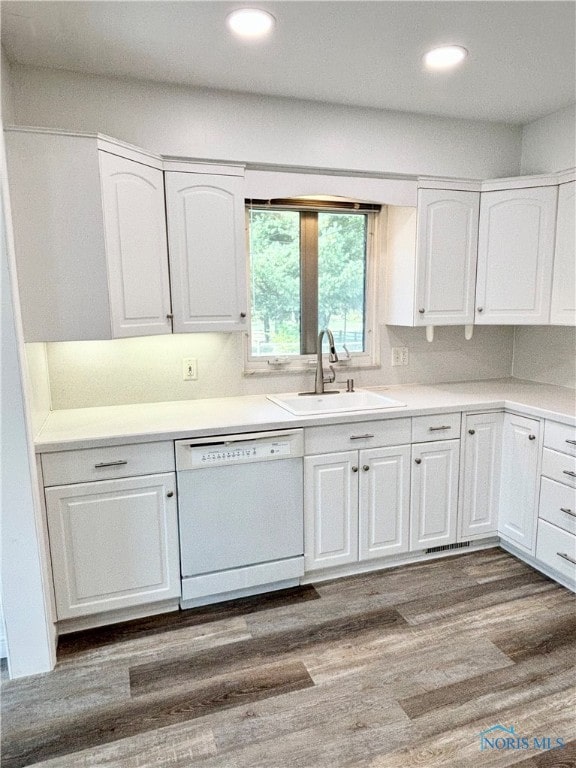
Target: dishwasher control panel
{"x": 217, "y": 452}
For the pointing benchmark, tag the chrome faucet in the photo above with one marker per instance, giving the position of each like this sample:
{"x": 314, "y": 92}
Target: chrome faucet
{"x": 333, "y": 358}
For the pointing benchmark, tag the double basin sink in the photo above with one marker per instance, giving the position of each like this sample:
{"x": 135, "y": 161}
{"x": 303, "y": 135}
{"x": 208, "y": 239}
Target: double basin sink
{"x": 305, "y": 403}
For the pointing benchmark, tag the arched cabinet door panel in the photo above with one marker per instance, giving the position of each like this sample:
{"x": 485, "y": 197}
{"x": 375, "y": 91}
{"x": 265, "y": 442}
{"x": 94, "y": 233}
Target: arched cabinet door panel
{"x": 206, "y": 237}
{"x": 563, "y": 309}
{"x": 515, "y": 256}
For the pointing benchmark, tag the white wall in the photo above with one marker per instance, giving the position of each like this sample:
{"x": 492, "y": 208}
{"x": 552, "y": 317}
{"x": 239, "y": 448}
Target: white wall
{"x": 25, "y": 573}
{"x": 547, "y": 353}
{"x": 93, "y": 373}
{"x": 7, "y": 95}
{"x": 549, "y": 144}
{"x": 228, "y": 126}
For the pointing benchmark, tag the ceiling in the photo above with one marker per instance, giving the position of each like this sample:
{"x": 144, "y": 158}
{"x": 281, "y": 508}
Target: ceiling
{"x": 521, "y": 62}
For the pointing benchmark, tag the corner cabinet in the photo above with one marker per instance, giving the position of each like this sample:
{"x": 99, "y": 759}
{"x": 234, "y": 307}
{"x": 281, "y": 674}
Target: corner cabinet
{"x": 90, "y": 237}
{"x": 207, "y": 244}
{"x": 563, "y": 309}
{"x": 515, "y": 256}
{"x": 519, "y": 479}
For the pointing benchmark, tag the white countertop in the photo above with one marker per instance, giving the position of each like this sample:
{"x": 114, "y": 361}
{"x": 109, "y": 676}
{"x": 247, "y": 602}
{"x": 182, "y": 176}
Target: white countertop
{"x": 147, "y": 422}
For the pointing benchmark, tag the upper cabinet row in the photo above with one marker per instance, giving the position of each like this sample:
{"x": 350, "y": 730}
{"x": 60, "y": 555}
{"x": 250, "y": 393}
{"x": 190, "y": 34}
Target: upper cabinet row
{"x": 500, "y": 257}
{"x": 108, "y": 245}
{"x": 112, "y": 241}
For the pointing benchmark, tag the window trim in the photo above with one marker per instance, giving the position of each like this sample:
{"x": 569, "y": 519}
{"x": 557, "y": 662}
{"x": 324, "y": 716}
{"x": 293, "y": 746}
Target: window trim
{"x": 297, "y": 364}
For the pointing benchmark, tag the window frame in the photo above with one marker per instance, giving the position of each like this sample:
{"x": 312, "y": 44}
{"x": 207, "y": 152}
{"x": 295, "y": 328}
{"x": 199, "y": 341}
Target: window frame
{"x": 370, "y": 357}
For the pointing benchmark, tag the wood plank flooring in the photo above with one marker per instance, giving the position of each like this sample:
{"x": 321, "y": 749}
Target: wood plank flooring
{"x": 403, "y": 667}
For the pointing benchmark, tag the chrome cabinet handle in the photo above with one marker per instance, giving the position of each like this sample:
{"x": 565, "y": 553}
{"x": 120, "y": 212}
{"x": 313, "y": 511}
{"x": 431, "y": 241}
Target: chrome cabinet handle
{"x": 568, "y": 511}
{"x": 571, "y": 442}
{"x": 439, "y": 429}
{"x": 365, "y": 467}
{"x": 566, "y": 557}
{"x": 361, "y": 437}
{"x": 471, "y": 431}
{"x": 418, "y": 461}
{"x": 531, "y": 437}
{"x": 354, "y": 469}
{"x": 480, "y": 309}
{"x": 110, "y": 464}
{"x": 421, "y": 311}
{"x": 569, "y": 472}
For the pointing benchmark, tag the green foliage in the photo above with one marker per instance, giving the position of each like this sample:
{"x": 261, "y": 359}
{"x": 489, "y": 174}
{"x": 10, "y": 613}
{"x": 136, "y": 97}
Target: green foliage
{"x": 275, "y": 271}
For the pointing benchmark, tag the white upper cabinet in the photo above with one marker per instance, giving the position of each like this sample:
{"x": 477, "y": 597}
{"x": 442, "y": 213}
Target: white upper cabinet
{"x": 447, "y": 240}
{"x": 207, "y": 245}
{"x": 431, "y": 259}
{"x": 89, "y": 238}
{"x": 563, "y": 308}
{"x": 136, "y": 247}
{"x": 515, "y": 256}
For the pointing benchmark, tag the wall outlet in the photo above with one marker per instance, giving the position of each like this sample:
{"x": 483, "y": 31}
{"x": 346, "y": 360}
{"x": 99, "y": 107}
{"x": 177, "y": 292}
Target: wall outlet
{"x": 189, "y": 368}
{"x": 399, "y": 356}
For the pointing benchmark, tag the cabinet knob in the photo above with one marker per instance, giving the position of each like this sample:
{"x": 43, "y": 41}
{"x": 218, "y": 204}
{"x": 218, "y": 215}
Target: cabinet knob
{"x": 480, "y": 309}
{"x": 365, "y": 467}
{"x": 531, "y": 437}
{"x": 170, "y": 494}
{"x": 354, "y": 469}
{"x": 242, "y": 314}
{"x": 421, "y": 311}
{"x": 418, "y": 461}
{"x": 471, "y": 431}
{"x": 169, "y": 316}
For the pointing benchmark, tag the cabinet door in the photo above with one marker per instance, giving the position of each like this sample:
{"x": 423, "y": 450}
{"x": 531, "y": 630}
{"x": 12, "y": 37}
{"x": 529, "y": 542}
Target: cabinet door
{"x": 481, "y": 475}
{"x": 563, "y": 309}
{"x": 114, "y": 544}
{"x": 136, "y": 247}
{"x": 434, "y": 494}
{"x": 520, "y": 449}
{"x": 330, "y": 510}
{"x": 447, "y": 244}
{"x": 515, "y": 255}
{"x": 207, "y": 249}
{"x": 384, "y": 519}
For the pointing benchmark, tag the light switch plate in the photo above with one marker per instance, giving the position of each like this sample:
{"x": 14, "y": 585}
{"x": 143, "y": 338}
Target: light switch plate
{"x": 189, "y": 368}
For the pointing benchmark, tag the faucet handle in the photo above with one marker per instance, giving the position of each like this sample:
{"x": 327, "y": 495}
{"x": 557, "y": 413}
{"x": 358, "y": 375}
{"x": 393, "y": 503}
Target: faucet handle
{"x": 349, "y": 384}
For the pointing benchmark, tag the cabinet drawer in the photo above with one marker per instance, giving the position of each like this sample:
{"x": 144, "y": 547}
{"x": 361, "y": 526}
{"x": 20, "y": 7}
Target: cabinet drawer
{"x": 88, "y": 464}
{"x": 553, "y": 548}
{"x": 446, "y": 426}
{"x": 560, "y": 437}
{"x": 559, "y": 467}
{"x": 558, "y": 504}
{"x": 364, "y": 434}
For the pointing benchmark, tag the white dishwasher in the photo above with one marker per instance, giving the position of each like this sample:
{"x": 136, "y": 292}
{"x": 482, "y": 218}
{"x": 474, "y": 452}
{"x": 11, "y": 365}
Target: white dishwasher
{"x": 240, "y": 509}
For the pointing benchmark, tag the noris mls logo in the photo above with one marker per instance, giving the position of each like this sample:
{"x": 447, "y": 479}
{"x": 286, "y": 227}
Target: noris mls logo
{"x": 500, "y": 738}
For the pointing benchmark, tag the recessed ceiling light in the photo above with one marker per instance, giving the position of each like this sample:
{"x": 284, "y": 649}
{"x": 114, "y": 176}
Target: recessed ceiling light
{"x": 250, "y": 22}
{"x": 445, "y": 57}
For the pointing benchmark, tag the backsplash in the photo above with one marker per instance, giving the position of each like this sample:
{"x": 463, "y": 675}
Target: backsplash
{"x": 545, "y": 354}
{"x": 140, "y": 370}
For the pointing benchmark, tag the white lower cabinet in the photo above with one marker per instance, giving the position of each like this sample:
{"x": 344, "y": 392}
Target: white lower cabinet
{"x": 356, "y": 506}
{"x": 114, "y": 543}
{"x": 434, "y": 493}
{"x": 480, "y": 475}
{"x": 520, "y": 453}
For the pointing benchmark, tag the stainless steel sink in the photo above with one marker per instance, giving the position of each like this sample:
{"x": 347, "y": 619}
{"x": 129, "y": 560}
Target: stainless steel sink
{"x": 304, "y": 404}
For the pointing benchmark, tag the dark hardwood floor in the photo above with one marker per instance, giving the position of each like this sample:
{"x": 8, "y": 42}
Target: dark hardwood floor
{"x": 398, "y": 668}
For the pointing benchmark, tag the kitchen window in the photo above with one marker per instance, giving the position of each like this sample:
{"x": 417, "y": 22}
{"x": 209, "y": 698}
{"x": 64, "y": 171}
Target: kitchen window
{"x": 311, "y": 267}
